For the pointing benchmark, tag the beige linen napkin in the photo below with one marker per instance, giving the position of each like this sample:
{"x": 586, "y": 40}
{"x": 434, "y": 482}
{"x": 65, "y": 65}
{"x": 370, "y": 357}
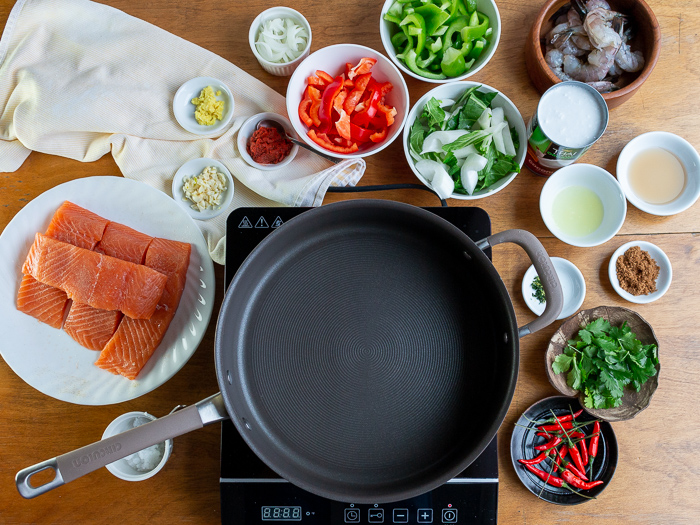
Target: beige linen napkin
{"x": 80, "y": 79}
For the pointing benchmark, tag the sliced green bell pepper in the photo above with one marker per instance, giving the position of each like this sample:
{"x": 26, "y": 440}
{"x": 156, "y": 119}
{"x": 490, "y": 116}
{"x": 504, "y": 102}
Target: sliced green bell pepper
{"x": 411, "y": 63}
{"x": 414, "y": 20}
{"x": 477, "y": 29}
{"x": 434, "y": 17}
{"x": 455, "y": 27}
{"x": 476, "y": 51}
{"x": 392, "y": 18}
{"x": 398, "y": 40}
{"x": 453, "y": 63}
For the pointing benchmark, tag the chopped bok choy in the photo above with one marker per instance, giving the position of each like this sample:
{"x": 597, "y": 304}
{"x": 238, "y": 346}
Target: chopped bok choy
{"x": 467, "y": 139}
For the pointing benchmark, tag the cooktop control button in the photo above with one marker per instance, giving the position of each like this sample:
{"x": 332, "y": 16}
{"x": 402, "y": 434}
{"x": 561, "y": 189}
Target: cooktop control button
{"x": 352, "y": 515}
{"x": 425, "y": 515}
{"x": 400, "y": 515}
{"x": 375, "y": 515}
{"x": 449, "y": 515}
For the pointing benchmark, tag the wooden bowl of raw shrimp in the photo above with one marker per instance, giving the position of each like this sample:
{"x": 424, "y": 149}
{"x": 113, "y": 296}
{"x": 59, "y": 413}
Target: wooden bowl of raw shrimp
{"x": 647, "y": 40}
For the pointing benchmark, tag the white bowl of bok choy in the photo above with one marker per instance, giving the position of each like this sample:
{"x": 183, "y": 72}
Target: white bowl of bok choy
{"x": 465, "y": 140}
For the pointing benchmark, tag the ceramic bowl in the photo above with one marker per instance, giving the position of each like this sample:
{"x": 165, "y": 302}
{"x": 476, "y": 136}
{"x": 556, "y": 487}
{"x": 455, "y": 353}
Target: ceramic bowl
{"x": 524, "y": 439}
{"x": 274, "y": 68}
{"x": 663, "y": 281}
{"x": 684, "y": 152}
{"x": 247, "y": 130}
{"x": 121, "y": 468}
{"x": 184, "y": 109}
{"x": 593, "y": 178}
{"x": 453, "y": 91}
{"x": 648, "y": 40}
{"x": 195, "y": 167}
{"x": 632, "y": 402}
{"x": 332, "y": 60}
{"x": 573, "y": 286}
{"x": 487, "y": 7}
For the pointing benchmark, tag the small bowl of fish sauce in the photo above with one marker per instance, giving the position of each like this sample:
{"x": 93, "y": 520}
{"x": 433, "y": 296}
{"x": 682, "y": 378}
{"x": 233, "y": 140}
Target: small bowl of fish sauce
{"x": 647, "y": 39}
{"x": 659, "y": 173}
{"x": 583, "y": 205}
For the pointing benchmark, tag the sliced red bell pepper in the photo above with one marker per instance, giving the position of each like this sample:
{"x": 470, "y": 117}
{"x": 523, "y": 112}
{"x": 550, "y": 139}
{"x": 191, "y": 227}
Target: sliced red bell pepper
{"x": 379, "y": 135}
{"x": 359, "y": 134}
{"x": 324, "y": 76}
{"x": 322, "y": 140}
{"x": 348, "y": 84}
{"x": 315, "y": 95}
{"x": 313, "y": 80}
{"x": 389, "y": 113}
{"x": 355, "y": 95}
{"x": 362, "y": 67}
{"x": 304, "y": 107}
{"x": 339, "y": 100}
{"x": 343, "y": 124}
{"x": 329, "y": 94}
{"x": 364, "y": 117}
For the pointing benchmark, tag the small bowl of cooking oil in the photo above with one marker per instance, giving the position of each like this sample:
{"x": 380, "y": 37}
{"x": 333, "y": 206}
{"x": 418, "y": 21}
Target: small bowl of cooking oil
{"x": 583, "y": 205}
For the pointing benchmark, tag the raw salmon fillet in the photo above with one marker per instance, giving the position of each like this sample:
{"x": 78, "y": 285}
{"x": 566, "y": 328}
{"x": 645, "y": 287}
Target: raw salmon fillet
{"x": 91, "y": 327}
{"x": 124, "y": 243}
{"x": 76, "y": 226}
{"x": 95, "y": 279}
{"x": 44, "y": 302}
{"x": 136, "y": 339}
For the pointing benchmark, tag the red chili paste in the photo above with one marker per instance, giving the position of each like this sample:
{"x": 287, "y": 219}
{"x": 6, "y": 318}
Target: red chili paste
{"x": 267, "y": 146}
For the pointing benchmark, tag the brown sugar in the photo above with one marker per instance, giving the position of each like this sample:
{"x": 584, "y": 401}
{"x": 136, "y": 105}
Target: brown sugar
{"x": 637, "y": 271}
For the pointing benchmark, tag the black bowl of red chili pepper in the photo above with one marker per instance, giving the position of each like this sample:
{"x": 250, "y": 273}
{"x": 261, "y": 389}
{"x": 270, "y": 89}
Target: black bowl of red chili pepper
{"x": 562, "y": 454}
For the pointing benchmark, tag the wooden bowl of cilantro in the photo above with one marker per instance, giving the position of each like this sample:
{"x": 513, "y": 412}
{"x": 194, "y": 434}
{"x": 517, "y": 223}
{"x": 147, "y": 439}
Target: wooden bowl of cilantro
{"x": 608, "y": 357}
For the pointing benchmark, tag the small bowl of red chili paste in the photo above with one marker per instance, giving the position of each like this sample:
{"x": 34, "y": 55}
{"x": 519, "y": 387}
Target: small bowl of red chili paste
{"x": 265, "y": 148}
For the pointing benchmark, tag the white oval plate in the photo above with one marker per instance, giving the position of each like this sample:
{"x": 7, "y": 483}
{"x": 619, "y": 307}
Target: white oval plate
{"x": 573, "y": 286}
{"x": 195, "y": 167}
{"x": 663, "y": 281}
{"x": 48, "y": 359}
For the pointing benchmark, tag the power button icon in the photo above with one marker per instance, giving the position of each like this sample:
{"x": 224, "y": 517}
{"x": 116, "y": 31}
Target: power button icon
{"x": 449, "y": 515}
{"x": 352, "y": 515}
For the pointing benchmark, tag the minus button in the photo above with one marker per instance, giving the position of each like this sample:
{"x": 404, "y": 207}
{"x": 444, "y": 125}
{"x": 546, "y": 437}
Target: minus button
{"x": 400, "y": 516}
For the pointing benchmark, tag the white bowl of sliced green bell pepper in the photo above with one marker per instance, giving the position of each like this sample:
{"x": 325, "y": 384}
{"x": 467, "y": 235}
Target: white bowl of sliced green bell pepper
{"x": 440, "y": 41}
{"x": 465, "y": 140}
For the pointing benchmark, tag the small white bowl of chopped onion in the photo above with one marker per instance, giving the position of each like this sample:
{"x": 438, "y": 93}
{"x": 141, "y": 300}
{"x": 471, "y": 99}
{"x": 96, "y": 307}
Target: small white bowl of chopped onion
{"x": 203, "y": 187}
{"x": 145, "y": 463}
{"x": 476, "y": 169}
{"x": 280, "y": 39}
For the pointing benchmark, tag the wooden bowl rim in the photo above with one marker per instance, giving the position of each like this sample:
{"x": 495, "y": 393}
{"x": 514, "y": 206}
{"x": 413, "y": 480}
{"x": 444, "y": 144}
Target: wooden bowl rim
{"x": 620, "y": 93}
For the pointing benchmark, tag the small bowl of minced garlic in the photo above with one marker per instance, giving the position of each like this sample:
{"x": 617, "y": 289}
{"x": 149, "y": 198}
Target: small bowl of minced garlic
{"x": 203, "y": 105}
{"x": 203, "y": 187}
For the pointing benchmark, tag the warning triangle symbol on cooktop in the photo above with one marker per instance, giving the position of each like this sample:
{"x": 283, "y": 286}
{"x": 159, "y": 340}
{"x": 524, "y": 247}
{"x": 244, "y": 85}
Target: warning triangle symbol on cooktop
{"x": 277, "y": 223}
{"x": 245, "y": 223}
{"x": 262, "y": 223}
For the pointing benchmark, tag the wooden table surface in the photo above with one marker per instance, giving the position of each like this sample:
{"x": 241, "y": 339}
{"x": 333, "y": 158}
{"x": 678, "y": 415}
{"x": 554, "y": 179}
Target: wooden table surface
{"x": 658, "y": 474}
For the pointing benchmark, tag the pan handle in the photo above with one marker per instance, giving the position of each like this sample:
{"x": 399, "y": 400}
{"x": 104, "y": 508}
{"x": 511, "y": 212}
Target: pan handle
{"x": 89, "y": 458}
{"x": 545, "y": 269}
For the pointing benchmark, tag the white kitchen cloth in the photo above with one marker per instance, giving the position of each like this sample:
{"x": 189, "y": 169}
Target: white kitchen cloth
{"x": 80, "y": 79}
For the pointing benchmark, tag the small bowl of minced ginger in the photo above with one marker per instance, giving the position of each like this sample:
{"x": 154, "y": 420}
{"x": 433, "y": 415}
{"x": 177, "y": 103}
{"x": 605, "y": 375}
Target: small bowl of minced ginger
{"x": 203, "y": 105}
{"x": 145, "y": 463}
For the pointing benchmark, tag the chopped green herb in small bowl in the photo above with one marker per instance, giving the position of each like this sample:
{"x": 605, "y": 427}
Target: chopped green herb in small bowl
{"x": 609, "y": 358}
{"x": 465, "y": 140}
{"x": 538, "y": 290}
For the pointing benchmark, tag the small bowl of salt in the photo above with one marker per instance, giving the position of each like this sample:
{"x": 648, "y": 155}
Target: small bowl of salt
{"x": 144, "y": 463}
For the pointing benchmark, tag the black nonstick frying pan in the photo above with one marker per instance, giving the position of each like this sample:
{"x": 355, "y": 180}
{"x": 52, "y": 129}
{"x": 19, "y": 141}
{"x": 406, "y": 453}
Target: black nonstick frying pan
{"x": 367, "y": 351}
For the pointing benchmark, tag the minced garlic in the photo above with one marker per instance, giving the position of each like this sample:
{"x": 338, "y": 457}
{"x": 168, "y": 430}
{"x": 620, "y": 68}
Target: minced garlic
{"x": 206, "y": 189}
{"x": 209, "y": 109}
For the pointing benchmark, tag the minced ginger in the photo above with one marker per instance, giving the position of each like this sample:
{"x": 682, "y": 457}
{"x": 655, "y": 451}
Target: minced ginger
{"x": 209, "y": 109}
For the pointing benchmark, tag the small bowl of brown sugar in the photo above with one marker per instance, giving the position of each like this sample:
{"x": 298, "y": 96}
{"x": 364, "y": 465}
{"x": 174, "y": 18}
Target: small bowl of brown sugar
{"x": 640, "y": 272}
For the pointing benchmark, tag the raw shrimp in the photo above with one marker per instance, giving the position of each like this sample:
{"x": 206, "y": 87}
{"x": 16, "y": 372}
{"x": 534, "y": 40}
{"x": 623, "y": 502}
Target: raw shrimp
{"x": 555, "y": 59}
{"x": 629, "y": 61}
{"x": 603, "y": 86}
{"x": 599, "y": 63}
{"x": 599, "y": 26}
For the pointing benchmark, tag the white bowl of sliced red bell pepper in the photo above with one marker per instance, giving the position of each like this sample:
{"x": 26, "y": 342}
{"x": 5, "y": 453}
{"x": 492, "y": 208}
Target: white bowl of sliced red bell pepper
{"x": 347, "y": 100}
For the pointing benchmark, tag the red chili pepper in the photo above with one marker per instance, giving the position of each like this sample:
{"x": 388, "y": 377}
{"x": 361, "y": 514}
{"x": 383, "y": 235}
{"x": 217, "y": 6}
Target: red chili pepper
{"x": 535, "y": 460}
{"x": 549, "y": 444}
{"x": 570, "y": 478}
{"x": 573, "y": 452}
{"x": 577, "y": 435}
{"x": 568, "y": 417}
{"x": 561, "y": 454}
{"x": 570, "y": 466}
{"x": 593, "y": 444}
{"x": 567, "y": 425}
{"x": 584, "y": 452}
{"x": 546, "y": 477}
{"x": 329, "y": 94}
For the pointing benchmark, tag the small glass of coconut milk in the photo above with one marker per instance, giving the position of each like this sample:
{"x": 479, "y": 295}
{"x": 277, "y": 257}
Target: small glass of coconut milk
{"x": 570, "y": 117}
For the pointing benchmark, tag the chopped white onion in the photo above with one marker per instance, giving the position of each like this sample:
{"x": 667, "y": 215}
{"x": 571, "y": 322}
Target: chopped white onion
{"x": 281, "y": 40}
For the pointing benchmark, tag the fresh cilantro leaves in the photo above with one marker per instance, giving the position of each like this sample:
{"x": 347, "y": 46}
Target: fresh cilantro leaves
{"x": 603, "y": 360}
